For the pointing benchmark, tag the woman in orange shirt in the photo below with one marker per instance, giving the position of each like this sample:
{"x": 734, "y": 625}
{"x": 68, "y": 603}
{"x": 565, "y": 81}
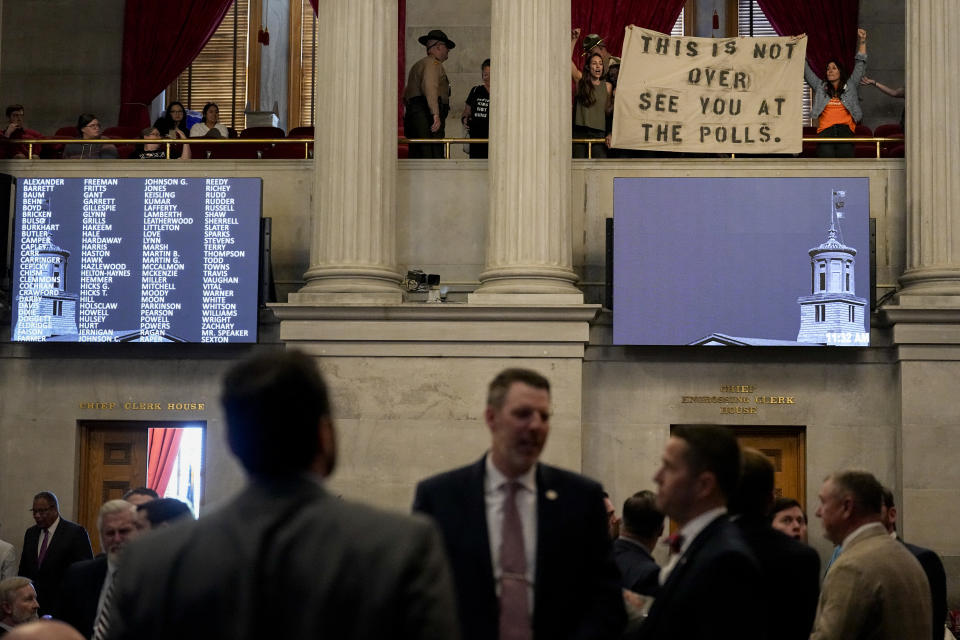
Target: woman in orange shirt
{"x": 836, "y": 102}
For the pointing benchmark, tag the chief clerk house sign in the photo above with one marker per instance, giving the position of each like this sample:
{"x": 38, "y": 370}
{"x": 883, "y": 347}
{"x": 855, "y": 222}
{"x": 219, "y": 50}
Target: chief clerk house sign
{"x": 709, "y": 95}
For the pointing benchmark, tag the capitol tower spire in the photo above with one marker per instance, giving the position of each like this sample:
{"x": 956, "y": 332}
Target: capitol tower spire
{"x": 832, "y": 313}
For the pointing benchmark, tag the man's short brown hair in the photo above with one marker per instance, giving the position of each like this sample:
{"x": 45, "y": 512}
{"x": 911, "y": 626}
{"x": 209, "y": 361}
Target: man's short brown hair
{"x": 12, "y": 108}
{"x": 501, "y": 384}
{"x": 866, "y": 490}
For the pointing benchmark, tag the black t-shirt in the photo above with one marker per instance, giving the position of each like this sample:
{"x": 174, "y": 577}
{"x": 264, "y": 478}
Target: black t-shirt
{"x": 159, "y": 154}
{"x": 479, "y": 121}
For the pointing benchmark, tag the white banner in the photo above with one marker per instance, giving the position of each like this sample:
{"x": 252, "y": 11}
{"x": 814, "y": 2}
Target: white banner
{"x": 709, "y": 95}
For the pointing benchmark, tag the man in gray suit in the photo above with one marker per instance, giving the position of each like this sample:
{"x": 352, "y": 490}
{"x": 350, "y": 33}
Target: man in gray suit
{"x": 285, "y": 559}
{"x": 875, "y": 588}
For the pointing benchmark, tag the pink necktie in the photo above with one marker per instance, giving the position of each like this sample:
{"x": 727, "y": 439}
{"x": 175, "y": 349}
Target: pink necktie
{"x": 514, "y": 606}
{"x": 43, "y": 547}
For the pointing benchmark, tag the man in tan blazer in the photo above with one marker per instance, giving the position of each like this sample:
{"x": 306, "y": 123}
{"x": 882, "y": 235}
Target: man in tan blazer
{"x": 875, "y": 589}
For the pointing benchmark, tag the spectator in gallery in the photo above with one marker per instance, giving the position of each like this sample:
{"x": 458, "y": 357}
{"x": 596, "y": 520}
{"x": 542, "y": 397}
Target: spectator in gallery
{"x": 426, "y": 97}
{"x": 899, "y": 92}
{"x": 157, "y": 151}
{"x": 210, "y": 126}
{"x": 836, "y": 101}
{"x": 15, "y": 130}
{"x": 476, "y": 113}
{"x": 787, "y": 516}
{"x": 88, "y": 128}
{"x": 172, "y": 124}
{"x": 593, "y": 101}
{"x": 140, "y": 495}
{"x": 592, "y": 43}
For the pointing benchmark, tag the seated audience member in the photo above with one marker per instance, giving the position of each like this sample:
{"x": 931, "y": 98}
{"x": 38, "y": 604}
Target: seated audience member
{"x": 44, "y": 630}
{"x": 172, "y": 124}
{"x": 929, "y": 561}
{"x": 157, "y": 151}
{"x": 140, "y": 495}
{"x": 18, "y": 603}
{"x": 85, "y": 596}
{"x": 640, "y": 528}
{"x": 15, "y": 130}
{"x": 791, "y": 569}
{"x": 161, "y": 513}
{"x": 210, "y": 126}
{"x": 88, "y": 128}
{"x": 787, "y": 516}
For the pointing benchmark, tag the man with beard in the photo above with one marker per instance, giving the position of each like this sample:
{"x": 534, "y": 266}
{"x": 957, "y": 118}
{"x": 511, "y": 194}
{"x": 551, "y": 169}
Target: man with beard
{"x": 18, "y": 603}
{"x": 88, "y": 586}
{"x": 529, "y": 543}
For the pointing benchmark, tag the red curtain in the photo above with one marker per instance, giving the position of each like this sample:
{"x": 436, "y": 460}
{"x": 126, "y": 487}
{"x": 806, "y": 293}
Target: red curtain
{"x": 830, "y": 25}
{"x": 163, "y": 447}
{"x": 160, "y": 39}
{"x": 609, "y": 18}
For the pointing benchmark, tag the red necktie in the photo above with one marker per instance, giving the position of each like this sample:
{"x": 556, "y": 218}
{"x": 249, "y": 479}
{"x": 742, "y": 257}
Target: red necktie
{"x": 514, "y": 606}
{"x": 43, "y": 547}
{"x": 675, "y": 542}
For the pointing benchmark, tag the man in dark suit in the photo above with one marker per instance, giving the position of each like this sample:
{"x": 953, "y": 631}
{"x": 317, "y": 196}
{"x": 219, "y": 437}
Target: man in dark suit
{"x": 712, "y": 581}
{"x": 929, "y": 561}
{"x": 285, "y": 558}
{"x": 528, "y": 542}
{"x": 86, "y": 585}
{"x": 791, "y": 569}
{"x": 640, "y": 527}
{"x": 49, "y": 547}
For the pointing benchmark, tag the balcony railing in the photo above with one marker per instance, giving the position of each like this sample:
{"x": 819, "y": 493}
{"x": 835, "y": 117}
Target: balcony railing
{"x": 260, "y": 148}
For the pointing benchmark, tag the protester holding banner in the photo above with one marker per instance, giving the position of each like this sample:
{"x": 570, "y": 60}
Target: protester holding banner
{"x": 836, "y": 102}
{"x": 593, "y": 101}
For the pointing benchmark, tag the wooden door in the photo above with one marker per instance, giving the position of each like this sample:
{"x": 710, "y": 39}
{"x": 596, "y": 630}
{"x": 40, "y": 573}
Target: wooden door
{"x": 785, "y": 447}
{"x": 113, "y": 460}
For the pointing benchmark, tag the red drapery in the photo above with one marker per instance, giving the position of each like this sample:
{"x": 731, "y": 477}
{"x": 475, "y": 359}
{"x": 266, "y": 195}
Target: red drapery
{"x": 609, "y": 18}
{"x": 830, "y": 25}
{"x": 160, "y": 39}
{"x": 163, "y": 447}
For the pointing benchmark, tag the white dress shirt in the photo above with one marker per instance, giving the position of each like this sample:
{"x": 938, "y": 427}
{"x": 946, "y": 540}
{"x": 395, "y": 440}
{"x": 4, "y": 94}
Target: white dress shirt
{"x": 689, "y": 532}
{"x": 50, "y": 531}
{"x": 495, "y": 493}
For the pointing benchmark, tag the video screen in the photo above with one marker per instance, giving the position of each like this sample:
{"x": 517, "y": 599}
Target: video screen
{"x": 136, "y": 259}
{"x": 741, "y": 262}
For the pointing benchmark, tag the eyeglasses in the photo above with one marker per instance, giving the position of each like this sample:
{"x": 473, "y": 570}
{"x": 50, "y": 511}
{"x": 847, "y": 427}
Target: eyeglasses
{"x": 92, "y": 125}
{"x": 173, "y": 111}
{"x": 40, "y": 512}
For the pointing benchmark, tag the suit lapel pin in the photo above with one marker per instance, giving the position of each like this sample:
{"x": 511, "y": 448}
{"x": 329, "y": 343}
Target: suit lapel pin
{"x": 551, "y": 494}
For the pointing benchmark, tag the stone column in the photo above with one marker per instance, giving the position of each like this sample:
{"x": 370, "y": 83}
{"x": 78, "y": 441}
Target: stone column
{"x": 933, "y": 149}
{"x": 529, "y": 234}
{"x": 353, "y": 252}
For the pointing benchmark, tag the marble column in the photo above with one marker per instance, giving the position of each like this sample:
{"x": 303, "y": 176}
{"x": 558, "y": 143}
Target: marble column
{"x": 353, "y": 249}
{"x": 933, "y": 149}
{"x": 529, "y": 229}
